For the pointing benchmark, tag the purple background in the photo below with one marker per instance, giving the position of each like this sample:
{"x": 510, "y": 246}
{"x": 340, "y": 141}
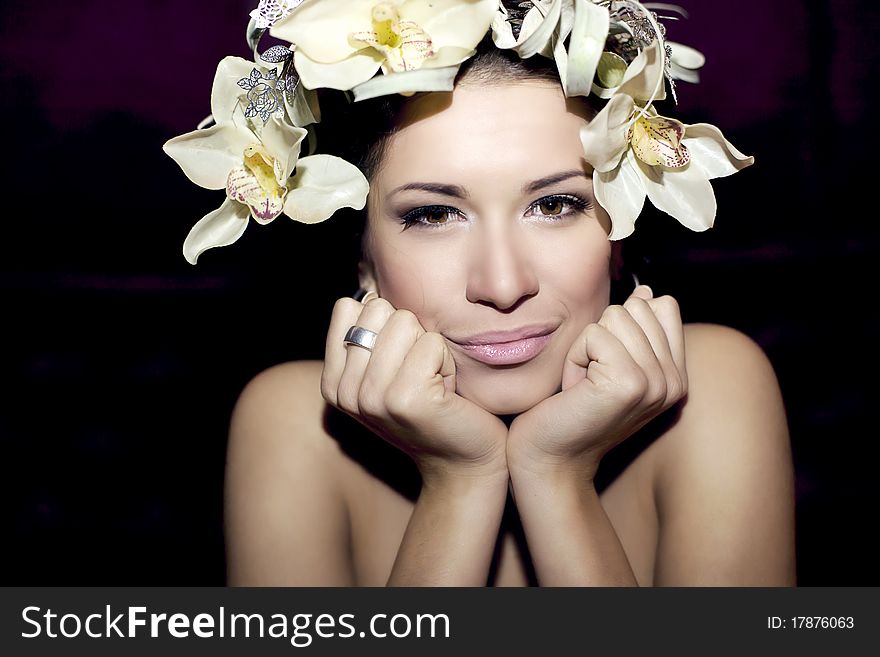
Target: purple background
{"x": 123, "y": 361}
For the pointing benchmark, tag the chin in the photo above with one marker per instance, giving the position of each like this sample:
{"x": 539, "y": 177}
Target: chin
{"x": 506, "y": 393}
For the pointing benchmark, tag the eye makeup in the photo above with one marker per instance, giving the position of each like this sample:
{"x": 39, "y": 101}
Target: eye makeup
{"x": 561, "y": 206}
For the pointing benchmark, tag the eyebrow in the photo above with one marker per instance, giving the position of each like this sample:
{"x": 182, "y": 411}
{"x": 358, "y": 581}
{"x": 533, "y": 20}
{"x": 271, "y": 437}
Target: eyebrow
{"x": 438, "y": 188}
{"x": 541, "y": 183}
{"x": 456, "y": 191}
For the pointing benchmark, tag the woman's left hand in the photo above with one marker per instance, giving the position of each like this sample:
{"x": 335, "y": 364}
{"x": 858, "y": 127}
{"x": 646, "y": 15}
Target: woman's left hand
{"x": 621, "y": 372}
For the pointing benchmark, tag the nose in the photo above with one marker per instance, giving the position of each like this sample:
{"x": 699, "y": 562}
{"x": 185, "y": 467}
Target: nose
{"x": 500, "y": 269}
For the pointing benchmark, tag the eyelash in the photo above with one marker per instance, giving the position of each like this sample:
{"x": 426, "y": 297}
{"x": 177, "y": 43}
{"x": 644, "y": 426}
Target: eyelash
{"x": 417, "y": 216}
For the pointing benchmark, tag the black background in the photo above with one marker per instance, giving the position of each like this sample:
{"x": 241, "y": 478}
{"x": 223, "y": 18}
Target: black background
{"x": 122, "y": 362}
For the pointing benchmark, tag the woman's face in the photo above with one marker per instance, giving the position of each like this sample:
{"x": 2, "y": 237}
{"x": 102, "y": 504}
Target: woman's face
{"x": 482, "y": 220}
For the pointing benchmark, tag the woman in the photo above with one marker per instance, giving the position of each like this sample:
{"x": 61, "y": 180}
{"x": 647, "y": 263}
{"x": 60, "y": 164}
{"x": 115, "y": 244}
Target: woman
{"x": 456, "y": 432}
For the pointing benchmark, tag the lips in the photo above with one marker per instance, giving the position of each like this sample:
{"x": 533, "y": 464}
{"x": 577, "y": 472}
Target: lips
{"x": 508, "y": 347}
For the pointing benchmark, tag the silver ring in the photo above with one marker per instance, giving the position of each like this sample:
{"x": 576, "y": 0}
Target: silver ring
{"x": 361, "y": 337}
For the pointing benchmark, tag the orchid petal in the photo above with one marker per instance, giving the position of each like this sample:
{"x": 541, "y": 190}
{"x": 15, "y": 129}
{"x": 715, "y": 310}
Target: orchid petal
{"x": 611, "y": 69}
{"x": 622, "y": 194}
{"x": 684, "y": 193}
{"x": 645, "y": 74}
{"x": 304, "y": 110}
{"x": 221, "y": 227}
{"x": 243, "y": 186}
{"x": 207, "y": 156}
{"x": 712, "y": 153}
{"x": 283, "y": 143}
{"x": 539, "y": 39}
{"x": 225, "y": 92}
{"x": 604, "y": 137}
{"x": 452, "y": 22}
{"x": 344, "y": 75}
{"x": 686, "y": 57}
{"x": 588, "y": 35}
{"x": 422, "y": 79}
{"x": 322, "y": 185}
{"x": 657, "y": 140}
{"x": 321, "y": 29}
{"x": 448, "y": 56}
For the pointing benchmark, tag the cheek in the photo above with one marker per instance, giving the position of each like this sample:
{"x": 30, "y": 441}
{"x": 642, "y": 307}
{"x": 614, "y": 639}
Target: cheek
{"x": 420, "y": 284}
{"x": 582, "y": 279}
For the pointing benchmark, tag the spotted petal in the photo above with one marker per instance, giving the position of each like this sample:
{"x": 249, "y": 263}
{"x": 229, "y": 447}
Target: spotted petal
{"x": 415, "y": 46}
{"x": 221, "y": 227}
{"x": 322, "y": 185}
{"x": 656, "y": 140}
{"x": 243, "y": 186}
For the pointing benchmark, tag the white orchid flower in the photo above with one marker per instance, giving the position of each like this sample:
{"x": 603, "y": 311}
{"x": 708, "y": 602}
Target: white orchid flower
{"x": 343, "y": 43}
{"x": 636, "y": 153}
{"x": 544, "y": 30}
{"x": 252, "y": 158}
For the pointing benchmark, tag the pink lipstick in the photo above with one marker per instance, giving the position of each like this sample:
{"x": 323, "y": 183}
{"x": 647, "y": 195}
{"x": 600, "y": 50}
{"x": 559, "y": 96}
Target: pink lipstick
{"x": 508, "y": 347}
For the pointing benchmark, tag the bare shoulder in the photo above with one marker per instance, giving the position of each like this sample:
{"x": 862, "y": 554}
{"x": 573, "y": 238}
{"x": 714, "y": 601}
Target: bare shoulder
{"x": 724, "y": 481}
{"x": 279, "y": 399}
{"x": 286, "y": 520}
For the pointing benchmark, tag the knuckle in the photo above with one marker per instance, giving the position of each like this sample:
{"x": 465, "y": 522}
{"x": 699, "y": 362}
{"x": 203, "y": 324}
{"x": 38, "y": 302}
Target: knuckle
{"x": 343, "y": 304}
{"x": 400, "y": 402}
{"x": 369, "y": 403}
{"x": 657, "y": 391}
{"x": 328, "y": 391}
{"x": 405, "y": 320}
{"x": 668, "y": 303}
{"x": 347, "y": 399}
{"x": 634, "y": 302}
{"x": 674, "y": 390}
{"x": 612, "y": 315}
{"x": 380, "y": 306}
{"x": 633, "y": 386}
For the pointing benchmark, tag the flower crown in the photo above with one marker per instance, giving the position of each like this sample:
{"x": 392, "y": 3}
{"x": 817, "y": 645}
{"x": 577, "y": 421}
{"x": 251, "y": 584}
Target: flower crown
{"x": 616, "y": 50}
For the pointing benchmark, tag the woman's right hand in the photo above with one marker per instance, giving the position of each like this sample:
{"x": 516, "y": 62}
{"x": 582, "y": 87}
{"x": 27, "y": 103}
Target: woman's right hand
{"x": 404, "y": 390}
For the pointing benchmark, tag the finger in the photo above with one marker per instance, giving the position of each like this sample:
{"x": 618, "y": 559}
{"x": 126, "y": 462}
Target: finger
{"x": 605, "y": 362}
{"x": 345, "y": 313}
{"x": 393, "y": 343}
{"x": 618, "y": 320}
{"x": 640, "y": 311}
{"x": 667, "y": 312}
{"x": 428, "y": 363}
{"x": 373, "y": 316}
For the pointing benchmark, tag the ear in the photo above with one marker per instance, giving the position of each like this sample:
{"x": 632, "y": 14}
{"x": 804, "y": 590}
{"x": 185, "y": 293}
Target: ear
{"x": 367, "y": 276}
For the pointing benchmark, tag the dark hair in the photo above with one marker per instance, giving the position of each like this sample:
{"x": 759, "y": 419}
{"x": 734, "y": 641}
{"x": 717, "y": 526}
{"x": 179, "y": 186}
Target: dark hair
{"x": 359, "y": 131}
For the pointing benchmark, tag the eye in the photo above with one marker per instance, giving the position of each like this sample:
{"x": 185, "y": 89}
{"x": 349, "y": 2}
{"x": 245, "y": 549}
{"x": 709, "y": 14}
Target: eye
{"x": 559, "y": 205}
{"x": 430, "y": 216}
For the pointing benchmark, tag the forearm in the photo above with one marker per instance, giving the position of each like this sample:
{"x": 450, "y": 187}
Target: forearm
{"x": 570, "y": 538}
{"x": 452, "y": 532}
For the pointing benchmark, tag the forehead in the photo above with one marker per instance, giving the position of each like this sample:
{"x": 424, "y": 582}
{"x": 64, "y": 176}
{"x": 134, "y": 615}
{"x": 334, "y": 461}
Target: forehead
{"x": 519, "y": 131}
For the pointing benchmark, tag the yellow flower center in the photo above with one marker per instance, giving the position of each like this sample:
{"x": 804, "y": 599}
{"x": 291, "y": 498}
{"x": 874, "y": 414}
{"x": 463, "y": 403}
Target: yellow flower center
{"x": 403, "y": 42}
{"x": 386, "y": 25}
{"x": 262, "y": 165}
{"x": 656, "y": 140}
